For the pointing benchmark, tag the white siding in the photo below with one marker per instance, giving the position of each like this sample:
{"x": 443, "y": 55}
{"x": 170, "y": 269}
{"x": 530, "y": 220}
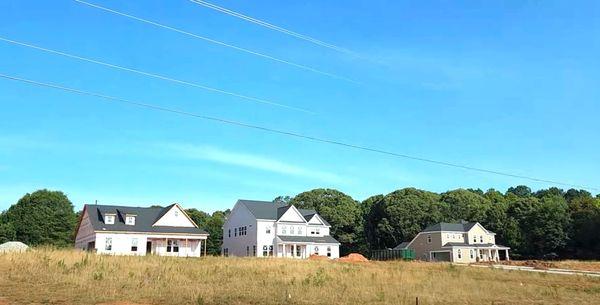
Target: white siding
{"x": 238, "y": 245}
{"x": 292, "y": 215}
{"x": 175, "y": 217}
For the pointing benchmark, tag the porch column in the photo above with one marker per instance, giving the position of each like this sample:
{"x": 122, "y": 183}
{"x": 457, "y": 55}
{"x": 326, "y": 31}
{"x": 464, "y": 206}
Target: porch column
{"x": 205, "y": 246}
{"x": 283, "y": 250}
{"x": 507, "y": 255}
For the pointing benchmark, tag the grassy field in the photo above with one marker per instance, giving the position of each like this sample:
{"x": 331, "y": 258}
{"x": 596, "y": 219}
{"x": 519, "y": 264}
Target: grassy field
{"x": 70, "y": 277}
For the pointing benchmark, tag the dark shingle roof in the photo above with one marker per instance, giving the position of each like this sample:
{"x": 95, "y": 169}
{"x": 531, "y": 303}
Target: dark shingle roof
{"x": 402, "y": 245}
{"x": 273, "y": 211}
{"x": 453, "y": 227}
{"x": 144, "y": 220}
{"x": 309, "y": 239}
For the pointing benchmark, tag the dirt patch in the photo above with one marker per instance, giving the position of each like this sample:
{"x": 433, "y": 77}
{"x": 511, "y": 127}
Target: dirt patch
{"x": 118, "y": 303}
{"x": 315, "y": 257}
{"x": 353, "y": 258}
{"x": 4, "y": 301}
{"x": 537, "y": 264}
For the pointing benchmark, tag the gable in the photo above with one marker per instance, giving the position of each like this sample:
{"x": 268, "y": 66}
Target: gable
{"x": 292, "y": 215}
{"x": 84, "y": 227}
{"x": 477, "y": 229}
{"x": 315, "y": 220}
{"x": 174, "y": 217}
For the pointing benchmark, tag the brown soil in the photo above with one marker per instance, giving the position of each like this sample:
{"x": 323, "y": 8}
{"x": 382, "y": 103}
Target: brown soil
{"x": 317, "y": 257}
{"x": 353, "y": 258}
{"x": 4, "y": 301}
{"x": 117, "y": 303}
{"x": 532, "y": 263}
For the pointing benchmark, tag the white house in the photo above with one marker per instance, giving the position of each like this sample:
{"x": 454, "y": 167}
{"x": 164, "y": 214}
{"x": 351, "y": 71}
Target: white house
{"x": 122, "y": 230}
{"x": 263, "y": 229}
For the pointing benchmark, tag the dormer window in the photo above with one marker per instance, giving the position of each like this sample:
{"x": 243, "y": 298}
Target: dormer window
{"x": 109, "y": 219}
{"x": 130, "y": 220}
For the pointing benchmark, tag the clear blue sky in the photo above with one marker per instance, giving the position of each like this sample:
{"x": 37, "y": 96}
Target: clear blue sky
{"x": 511, "y": 86}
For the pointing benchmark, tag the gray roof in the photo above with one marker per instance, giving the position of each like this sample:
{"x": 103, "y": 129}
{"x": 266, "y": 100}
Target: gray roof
{"x": 273, "y": 211}
{"x": 144, "y": 220}
{"x": 402, "y": 245}
{"x": 308, "y": 239}
{"x": 453, "y": 227}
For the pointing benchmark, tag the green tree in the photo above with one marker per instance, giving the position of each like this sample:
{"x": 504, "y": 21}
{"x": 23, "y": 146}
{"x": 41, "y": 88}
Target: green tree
{"x": 7, "y": 231}
{"x": 585, "y": 219}
{"x": 341, "y": 211}
{"x": 43, "y": 218}
{"x": 520, "y": 191}
{"x": 282, "y": 199}
{"x": 213, "y": 224}
{"x": 465, "y": 205}
{"x": 400, "y": 215}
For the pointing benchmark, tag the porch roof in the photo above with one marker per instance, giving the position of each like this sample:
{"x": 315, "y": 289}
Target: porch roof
{"x": 307, "y": 239}
{"x": 490, "y": 246}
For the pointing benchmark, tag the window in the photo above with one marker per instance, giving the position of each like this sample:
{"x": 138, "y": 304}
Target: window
{"x": 229, "y": 235}
{"x": 265, "y": 251}
{"x": 459, "y": 254}
{"x": 312, "y": 231}
{"x": 284, "y": 230}
{"x": 471, "y": 253}
{"x": 247, "y": 250}
{"x": 268, "y": 230}
{"x": 428, "y": 239}
{"x": 298, "y": 251}
{"x": 316, "y": 250}
{"x": 130, "y": 220}
{"x": 226, "y": 252}
{"x": 254, "y": 250}
{"x": 270, "y": 250}
{"x": 481, "y": 239}
{"x": 109, "y": 219}
{"x": 134, "y": 245}
{"x": 243, "y": 231}
{"x": 448, "y": 236}
{"x": 172, "y": 245}
{"x": 328, "y": 251}
{"x": 474, "y": 239}
{"x": 176, "y": 213}
{"x": 291, "y": 230}
{"x": 108, "y": 244}
{"x": 480, "y": 254}
{"x": 234, "y": 231}
{"x": 299, "y": 230}
{"x": 317, "y": 231}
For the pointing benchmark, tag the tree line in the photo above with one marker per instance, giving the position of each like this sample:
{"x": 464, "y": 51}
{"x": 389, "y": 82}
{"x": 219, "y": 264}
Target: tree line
{"x": 546, "y": 223}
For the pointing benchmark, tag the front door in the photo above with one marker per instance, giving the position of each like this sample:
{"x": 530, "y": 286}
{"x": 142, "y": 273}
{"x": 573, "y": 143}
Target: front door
{"x": 148, "y": 247}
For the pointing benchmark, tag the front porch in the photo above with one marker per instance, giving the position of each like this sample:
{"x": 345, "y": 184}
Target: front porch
{"x": 176, "y": 246}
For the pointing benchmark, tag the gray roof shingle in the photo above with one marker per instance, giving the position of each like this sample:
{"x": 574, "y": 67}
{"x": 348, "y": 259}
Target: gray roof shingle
{"x": 273, "y": 211}
{"x": 452, "y": 227}
{"x": 144, "y": 220}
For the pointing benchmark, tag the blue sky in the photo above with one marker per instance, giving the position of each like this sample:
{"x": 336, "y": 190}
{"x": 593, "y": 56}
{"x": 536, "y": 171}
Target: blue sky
{"x": 510, "y": 86}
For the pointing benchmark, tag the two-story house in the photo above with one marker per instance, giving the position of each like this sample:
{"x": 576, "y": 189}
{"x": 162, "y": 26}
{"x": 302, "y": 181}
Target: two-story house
{"x": 264, "y": 229}
{"x": 464, "y": 242}
{"x": 123, "y": 230}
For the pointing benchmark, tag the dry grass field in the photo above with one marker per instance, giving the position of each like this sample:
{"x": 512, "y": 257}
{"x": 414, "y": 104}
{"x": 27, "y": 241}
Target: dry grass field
{"x": 46, "y": 276}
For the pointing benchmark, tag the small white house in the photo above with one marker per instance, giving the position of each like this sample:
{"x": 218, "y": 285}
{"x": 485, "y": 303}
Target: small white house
{"x": 122, "y": 230}
{"x": 267, "y": 229}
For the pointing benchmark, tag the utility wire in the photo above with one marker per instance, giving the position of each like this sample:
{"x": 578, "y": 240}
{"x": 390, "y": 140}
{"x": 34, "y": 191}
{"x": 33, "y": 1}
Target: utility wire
{"x": 153, "y": 75}
{"x": 286, "y": 133}
{"x": 256, "y": 53}
{"x": 275, "y": 27}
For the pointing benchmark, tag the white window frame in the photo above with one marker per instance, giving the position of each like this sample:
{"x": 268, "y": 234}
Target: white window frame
{"x": 130, "y": 220}
{"x": 134, "y": 244}
{"x": 428, "y": 238}
{"x": 108, "y": 244}
{"x": 109, "y": 219}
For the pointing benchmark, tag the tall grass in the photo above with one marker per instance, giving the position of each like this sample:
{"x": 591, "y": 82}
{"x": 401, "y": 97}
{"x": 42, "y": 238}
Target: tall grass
{"x": 47, "y": 276}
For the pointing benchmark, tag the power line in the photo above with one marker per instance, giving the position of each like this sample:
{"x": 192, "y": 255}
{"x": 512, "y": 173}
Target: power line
{"x": 286, "y": 133}
{"x": 274, "y": 27}
{"x": 154, "y": 75}
{"x": 221, "y": 43}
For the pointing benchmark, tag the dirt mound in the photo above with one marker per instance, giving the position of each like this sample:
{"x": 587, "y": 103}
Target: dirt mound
{"x": 353, "y": 258}
{"x": 317, "y": 257}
